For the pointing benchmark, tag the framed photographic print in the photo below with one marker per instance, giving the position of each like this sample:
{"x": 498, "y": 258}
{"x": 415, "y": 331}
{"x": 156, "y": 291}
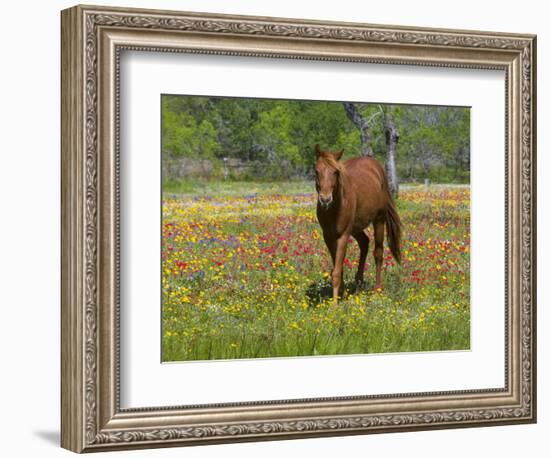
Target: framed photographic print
{"x": 279, "y": 228}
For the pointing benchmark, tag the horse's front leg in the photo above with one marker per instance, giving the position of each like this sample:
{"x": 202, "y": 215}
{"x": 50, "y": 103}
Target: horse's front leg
{"x": 337, "y": 272}
{"x": 330, "y": 242}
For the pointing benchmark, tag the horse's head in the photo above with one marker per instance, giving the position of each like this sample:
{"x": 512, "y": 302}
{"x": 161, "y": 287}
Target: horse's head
{"x": 328, "y": 174}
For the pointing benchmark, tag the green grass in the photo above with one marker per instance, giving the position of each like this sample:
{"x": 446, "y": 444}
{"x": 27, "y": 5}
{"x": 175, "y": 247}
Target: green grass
{"x": 245, "y": 275}
{"x": 197, "y": 187}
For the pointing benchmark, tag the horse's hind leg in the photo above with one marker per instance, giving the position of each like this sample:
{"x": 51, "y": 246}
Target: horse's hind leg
{"x": 363, "y": 241}
{"x": 378, "y": 250}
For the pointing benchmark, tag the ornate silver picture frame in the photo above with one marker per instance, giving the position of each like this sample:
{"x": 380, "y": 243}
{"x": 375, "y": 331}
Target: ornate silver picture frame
{"x": 93, "y": 39}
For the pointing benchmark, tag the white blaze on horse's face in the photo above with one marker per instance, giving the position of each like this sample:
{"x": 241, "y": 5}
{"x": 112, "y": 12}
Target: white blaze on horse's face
{"x": 326, "y": 179}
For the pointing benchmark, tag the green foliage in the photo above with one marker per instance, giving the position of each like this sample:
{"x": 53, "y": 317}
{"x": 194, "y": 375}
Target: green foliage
{"x": 276, "y": 137}
{"x": 272, "y": 135}
{"x": 435, "y": 144}
{"x": 183, "y": 135}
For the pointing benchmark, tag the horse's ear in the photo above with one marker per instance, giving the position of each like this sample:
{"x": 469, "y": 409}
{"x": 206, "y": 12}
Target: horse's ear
{"x": 338, "y": 155}
{"x": 317, "y": 151}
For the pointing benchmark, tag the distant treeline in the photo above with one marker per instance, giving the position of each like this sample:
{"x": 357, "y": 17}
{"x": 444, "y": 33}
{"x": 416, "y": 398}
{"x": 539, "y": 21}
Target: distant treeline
{"x": 277, "y": 137}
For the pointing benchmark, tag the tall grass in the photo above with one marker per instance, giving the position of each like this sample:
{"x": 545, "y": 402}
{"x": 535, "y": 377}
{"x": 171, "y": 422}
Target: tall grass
{"x": 245, "y": 275}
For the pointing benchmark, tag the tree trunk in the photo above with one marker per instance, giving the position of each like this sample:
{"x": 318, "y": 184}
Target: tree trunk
{"x": 392, "y": 137}
{"x": 363, "y": 126}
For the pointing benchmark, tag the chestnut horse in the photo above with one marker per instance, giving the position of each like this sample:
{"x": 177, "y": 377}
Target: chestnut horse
{"x": 351, "y": 195}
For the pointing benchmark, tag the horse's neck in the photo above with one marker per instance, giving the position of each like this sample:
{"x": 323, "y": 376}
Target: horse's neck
{"x": 342, "y": 190}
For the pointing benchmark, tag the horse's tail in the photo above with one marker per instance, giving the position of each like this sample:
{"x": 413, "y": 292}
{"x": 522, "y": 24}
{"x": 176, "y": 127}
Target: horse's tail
{"x": 393, "y": 229}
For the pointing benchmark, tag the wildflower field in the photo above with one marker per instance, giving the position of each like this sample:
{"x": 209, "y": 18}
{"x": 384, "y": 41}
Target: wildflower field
{"x": 245, "y": 274}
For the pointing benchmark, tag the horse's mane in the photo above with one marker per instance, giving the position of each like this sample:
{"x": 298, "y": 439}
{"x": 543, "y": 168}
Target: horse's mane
{"x": 331, "y": 161}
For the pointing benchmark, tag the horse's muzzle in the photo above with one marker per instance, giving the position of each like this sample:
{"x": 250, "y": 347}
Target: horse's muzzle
{"x": 325, "y": 201}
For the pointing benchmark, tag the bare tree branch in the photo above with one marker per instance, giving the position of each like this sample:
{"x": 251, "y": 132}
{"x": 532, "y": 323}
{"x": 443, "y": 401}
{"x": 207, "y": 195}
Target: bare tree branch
{"x": 392, "y": 138}
{"x": 356, "y": 118}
